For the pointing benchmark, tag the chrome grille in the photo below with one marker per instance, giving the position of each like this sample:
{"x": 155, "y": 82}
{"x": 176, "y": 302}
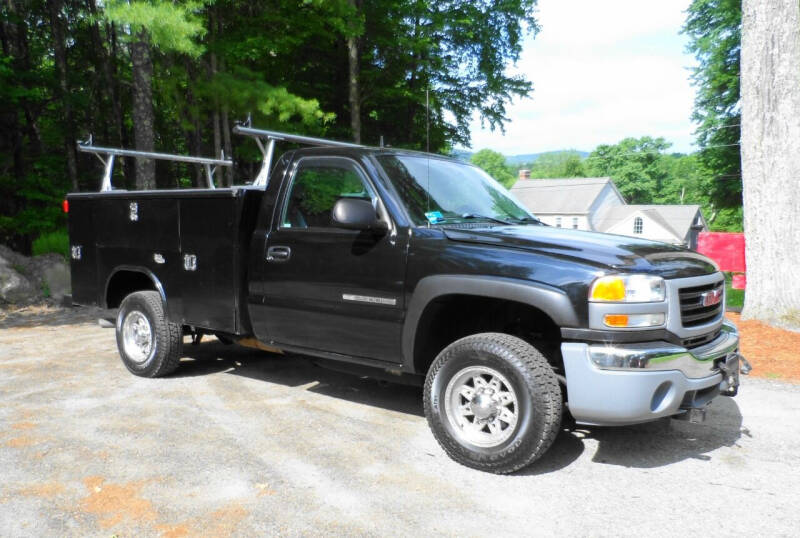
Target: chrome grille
{"x": 693, "y": 313}
{"x": 690, "y": 343}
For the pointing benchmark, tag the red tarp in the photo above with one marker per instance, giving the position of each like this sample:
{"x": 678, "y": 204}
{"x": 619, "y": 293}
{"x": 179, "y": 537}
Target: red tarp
{"x": 727, "y": 249}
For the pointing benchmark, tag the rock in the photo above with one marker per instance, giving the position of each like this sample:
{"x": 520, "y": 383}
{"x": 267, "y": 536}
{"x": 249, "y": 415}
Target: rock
{"x": 26, "y": 280}
{"x": 53, "y": 273}
{"x": 15, "y": 288}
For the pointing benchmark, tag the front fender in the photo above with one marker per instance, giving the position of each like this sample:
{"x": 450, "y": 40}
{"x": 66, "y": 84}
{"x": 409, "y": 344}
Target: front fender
{"x": 550, "y": 300}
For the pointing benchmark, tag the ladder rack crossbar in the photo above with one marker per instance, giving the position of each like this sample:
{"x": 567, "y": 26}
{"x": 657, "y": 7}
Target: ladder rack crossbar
{"x": 287, "y": 137}
{"x": 107, "y": 155}
{"x": 152, "y": 155}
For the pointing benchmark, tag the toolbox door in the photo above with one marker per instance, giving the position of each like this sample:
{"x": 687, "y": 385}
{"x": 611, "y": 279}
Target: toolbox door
{"x": 83, "y": 252}
{"x": 208, "y": 262}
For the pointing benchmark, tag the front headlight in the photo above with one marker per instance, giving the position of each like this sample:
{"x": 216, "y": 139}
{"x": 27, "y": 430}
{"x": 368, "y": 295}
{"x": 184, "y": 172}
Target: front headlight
{"x": 628, "y": 289}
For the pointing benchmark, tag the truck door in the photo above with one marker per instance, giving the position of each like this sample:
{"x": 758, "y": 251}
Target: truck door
{"x": 328, "y": 288}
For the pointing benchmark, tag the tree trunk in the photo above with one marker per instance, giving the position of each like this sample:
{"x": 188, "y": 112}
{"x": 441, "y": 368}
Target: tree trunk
{"x": 226, "y": 138}
{"x": 108, "y": 76}
{"x": 352, "y": 82}
{"x": 212, "y": 73}
{"x": 143, "y": 116}
{"x": 226, "y": 128}
{"x": 17, "y": 34}
{"x": 193, "y": 136}
{"x": 60, "y": 53}
{"x": 770, "y": 101}
{"x": 9, "y": 120}
{"x": 127, "y": 164}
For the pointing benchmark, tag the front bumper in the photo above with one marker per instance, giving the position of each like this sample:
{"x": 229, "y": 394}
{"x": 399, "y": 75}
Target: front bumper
{"x": 633, "y": 383}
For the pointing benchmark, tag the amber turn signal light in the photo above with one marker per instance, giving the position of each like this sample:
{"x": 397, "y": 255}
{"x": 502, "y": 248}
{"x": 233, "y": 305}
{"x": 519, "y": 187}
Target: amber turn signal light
{"x": 616, "y": 320}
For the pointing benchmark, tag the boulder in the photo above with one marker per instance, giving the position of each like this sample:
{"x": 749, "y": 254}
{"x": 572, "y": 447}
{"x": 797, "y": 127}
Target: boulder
{"x": 53, "y": 274}
{"x": 26, "y": 280}
{"x": 15, "y": 288}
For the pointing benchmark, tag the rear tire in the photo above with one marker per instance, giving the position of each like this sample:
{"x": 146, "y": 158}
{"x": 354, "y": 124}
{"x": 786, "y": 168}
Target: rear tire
{"x": 493, "y": 402}
{"x": 149, "y": 344}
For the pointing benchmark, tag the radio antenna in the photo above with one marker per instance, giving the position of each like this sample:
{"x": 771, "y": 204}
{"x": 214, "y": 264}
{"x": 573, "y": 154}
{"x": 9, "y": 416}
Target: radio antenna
{"x": 428, "y": 153}
{"x": 427, "y": 122}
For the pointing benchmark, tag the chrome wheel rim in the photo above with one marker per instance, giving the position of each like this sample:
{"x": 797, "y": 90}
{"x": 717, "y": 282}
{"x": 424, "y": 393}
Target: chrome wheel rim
{"x": 481, "y": 406}
{"x": 137, "y": 336}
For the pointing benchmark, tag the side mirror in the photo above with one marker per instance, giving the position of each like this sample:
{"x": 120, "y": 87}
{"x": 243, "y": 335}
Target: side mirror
{"x": 356, "y": 214}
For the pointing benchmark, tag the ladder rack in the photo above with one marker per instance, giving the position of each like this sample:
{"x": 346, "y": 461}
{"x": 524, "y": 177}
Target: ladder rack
{"x": 272, "y": 136}
{"x": 209, "y": 164}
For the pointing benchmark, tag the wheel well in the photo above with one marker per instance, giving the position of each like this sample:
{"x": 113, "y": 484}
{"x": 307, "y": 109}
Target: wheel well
{"x": 125, "y": 282}
{"x": 450, "y": 317}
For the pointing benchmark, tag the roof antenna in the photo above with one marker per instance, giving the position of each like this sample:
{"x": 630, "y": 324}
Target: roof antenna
{"x": 428, "y": 153}
{"x": 427, "y": 122}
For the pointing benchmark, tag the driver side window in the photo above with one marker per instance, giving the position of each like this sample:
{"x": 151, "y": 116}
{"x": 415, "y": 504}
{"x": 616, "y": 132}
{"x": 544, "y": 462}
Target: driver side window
{"x": 316, "y": 187}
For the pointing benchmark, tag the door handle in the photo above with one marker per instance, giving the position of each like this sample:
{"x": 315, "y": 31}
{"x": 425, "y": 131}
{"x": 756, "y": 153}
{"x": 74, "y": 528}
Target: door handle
{"x": 278, "y": 254}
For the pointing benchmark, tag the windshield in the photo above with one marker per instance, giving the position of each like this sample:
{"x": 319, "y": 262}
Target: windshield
{"x": 458, "y": 192}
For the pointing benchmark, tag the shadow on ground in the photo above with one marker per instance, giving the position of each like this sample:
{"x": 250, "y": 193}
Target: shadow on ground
{"x": 649, "y": 445}
{"x": 358, "y": 385}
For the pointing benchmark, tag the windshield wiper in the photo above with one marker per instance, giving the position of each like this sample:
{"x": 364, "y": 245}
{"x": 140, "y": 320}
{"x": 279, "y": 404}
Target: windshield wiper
{"x": 530, "y": 219}
{"x": 485, "y": 217}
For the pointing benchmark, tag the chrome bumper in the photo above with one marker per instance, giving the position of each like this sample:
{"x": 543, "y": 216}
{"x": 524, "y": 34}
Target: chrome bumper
{"x": 659, "y": 356}
{"x": 633, "y": 383}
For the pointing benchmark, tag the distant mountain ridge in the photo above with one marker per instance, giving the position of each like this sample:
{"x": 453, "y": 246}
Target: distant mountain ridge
{"x": 465, "y": 155}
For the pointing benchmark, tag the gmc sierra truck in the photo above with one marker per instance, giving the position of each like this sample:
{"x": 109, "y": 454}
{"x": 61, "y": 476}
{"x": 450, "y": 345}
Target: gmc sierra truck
{"x": 418, "y": 265}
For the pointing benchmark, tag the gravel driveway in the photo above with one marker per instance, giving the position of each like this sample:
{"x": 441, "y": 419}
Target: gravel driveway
{"x": 247, "y": 443}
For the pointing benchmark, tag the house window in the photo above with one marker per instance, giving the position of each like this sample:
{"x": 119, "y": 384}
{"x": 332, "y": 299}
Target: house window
{"x": 558, "y": 222}
{"x": 575, "y": 222}
{"x": 637, "y": 225}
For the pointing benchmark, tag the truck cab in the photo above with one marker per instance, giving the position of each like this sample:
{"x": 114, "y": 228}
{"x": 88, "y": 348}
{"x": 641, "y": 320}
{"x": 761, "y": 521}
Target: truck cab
{"x": 422, "y": 266}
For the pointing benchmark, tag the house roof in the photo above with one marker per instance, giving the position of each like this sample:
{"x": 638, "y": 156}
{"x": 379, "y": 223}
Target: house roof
{"x": 568, "y": 195}
{"x": 677, "y": 219}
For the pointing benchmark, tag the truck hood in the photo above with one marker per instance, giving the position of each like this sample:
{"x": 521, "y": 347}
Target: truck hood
{"x": 609, "y": 252}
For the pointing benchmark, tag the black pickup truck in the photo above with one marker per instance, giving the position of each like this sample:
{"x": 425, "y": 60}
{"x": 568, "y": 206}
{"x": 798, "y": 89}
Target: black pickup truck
{"x": 417, "y": 265}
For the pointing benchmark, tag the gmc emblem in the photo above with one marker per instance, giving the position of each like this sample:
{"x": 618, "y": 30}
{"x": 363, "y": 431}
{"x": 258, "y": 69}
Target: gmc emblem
{"x": 710, "y": 298}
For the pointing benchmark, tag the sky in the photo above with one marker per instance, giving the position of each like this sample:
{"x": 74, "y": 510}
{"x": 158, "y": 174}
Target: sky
{"x": 601, "y": 72}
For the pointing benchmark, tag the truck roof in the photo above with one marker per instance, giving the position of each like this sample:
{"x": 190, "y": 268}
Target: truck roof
{"x": 373, "y": 151}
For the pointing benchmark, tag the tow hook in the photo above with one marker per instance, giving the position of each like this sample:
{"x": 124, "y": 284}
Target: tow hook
{"x": 731, "y": 367}
{"x": 744, "y": 365}
{"x": 695, "y": 415}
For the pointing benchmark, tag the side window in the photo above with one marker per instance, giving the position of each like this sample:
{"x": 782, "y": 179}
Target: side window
{"x": 316, "y": 187}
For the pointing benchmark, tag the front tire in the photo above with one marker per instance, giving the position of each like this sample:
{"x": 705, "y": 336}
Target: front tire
{"x": 149, "y": 344}
{"x": 493, "y": 402}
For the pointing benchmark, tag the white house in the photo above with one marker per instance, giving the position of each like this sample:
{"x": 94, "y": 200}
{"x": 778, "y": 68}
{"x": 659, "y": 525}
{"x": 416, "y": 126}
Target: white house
{"x": 595, "y": 204}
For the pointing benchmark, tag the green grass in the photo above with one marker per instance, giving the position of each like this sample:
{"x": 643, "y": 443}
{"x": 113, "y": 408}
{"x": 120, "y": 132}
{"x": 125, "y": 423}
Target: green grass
{"x": 57, "y": 242}
{"x": 734, "y": 298}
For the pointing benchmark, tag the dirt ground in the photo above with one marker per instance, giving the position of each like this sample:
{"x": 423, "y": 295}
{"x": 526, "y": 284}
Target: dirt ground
{"x": 244, "y": 443}
{"x": 774, "y": 353}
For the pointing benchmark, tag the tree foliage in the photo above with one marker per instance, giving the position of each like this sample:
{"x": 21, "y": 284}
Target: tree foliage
{"x": 556, "y": 164}
{"x": 635, "y": 164}
{"x": 216, "y": 61}
{"x": 494, "y": 164}
{"x": 171, "y": 26}
{"x": 714, "y": 30}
